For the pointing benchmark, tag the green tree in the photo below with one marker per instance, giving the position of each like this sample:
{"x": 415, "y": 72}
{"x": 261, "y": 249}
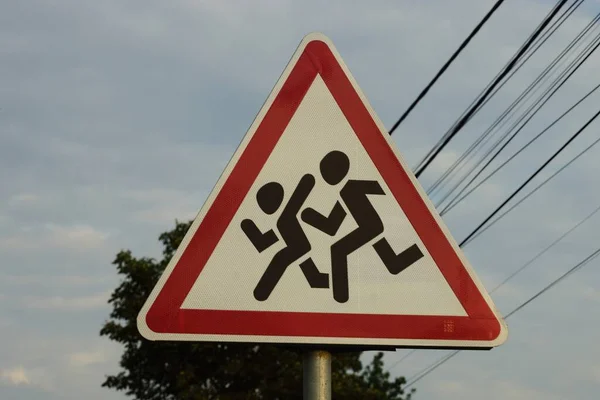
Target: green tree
{"x": 228, "y": 371}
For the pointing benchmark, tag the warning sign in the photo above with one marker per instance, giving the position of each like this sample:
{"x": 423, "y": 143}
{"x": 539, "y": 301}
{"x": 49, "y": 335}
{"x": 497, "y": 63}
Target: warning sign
{"x": 317, "y": 232}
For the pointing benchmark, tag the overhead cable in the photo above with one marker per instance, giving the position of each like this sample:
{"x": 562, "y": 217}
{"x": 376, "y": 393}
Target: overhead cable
{"x": 458, "y": 199}
{"x": 463, "y": 121}
{"x": 447, "y": 64}
{"x": 531, "y": 177}
{"x": 539, "y": 42}
{"x": 538, "y": 187}
{"x": 530, "y": 90}
{"x": 523, "y": 120}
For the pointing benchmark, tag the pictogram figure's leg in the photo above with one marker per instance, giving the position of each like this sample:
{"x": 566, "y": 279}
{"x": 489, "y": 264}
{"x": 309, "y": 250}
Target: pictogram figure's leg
{"x": 396, "y": 263}
{"x": 339, "y": 261}
{"x": 316, "y": 279}
{"x": 280, "y": 262}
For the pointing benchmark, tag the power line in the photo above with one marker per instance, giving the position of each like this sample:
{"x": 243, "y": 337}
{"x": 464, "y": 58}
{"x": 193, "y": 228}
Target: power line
{"x": 410, "y": 353}
{"x": 417, "y": 377}
{"x": 532, "y": 50}
{"x": 531, "y": 177}
{"x": 483, "y": 95}
{"x": 457, "y": 200}
{"x": 511, "y": 110}
{"x": 546, "y": 249}
{"x": 555, "y": 282}
{"x": 538, "y": 187}
{"x": 463, "y": 121}
{"x": 538, "y": 44}
{"x": 523, "y": 120}
{"x": 532, "y": 110}
{"x": 447, "y": 64}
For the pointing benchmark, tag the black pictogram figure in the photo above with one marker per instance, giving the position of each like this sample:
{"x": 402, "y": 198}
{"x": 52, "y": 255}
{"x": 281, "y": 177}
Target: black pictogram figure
{"x": 334, "y": 168}
{"x": 270, "y": 198}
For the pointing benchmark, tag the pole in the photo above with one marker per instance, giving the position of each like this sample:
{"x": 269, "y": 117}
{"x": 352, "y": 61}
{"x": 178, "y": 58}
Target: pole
{"x": 316, "y": 377}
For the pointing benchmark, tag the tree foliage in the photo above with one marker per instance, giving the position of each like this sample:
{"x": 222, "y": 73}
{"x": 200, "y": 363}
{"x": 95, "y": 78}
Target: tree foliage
{"x": 228, "y": 371}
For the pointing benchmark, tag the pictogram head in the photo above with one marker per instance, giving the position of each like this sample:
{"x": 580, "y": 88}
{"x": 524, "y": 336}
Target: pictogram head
{"x": 270, "y": 197}
{"x": 334, "y": 167}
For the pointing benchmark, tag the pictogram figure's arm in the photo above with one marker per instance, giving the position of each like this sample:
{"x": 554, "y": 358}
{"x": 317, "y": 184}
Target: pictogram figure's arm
{"x": 261, "y": 241}
{"x": 369, "y": 187}
{"x": 329, "y": 224}
{"x": 298, "y": 197}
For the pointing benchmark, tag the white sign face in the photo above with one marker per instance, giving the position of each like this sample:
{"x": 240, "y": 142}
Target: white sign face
{"x": 308, "y": 138}
{"x": 317, "y": 232}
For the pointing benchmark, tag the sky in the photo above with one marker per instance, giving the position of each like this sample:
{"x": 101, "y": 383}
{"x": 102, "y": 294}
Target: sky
{"x": 116, "y": 118}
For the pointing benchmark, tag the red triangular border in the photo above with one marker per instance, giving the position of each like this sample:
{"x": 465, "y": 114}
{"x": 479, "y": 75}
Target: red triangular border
{"x": 165, "y": 315}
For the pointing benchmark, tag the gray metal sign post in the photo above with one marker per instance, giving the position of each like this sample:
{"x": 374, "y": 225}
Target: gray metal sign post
{"x": 316, "y": 377}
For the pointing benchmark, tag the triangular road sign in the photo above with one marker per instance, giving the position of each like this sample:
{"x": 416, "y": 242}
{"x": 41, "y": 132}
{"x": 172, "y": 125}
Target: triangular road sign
{"x": 317, "y": 232}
